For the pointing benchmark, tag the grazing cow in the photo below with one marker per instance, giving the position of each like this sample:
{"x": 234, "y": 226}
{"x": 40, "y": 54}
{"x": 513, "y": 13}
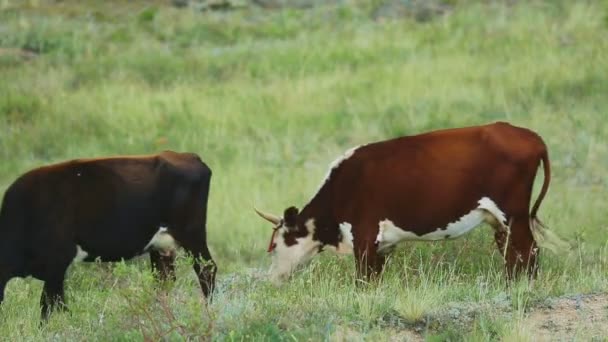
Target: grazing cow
{"x": 432, "y": 186}
{"x": 105, "y": 209}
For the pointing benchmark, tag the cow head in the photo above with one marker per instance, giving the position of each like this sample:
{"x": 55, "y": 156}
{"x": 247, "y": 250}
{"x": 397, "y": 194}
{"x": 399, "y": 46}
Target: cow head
{"x": 292, "y": 243}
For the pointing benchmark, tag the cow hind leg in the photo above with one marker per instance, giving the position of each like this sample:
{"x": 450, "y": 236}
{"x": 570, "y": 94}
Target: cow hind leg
{"x": 519, "y": 249}
{"x": 163, "y": 265}
{"x": 3, "y": 283}
{"x": 53, "y": 296}
{"x": 53, "y": 275}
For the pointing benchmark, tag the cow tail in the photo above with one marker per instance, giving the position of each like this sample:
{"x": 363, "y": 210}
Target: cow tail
{"x": 543, "y": 190}
{"x": 542, "y": 235}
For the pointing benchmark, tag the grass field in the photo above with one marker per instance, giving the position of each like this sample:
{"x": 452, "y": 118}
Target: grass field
{"x": 268, "y": 98}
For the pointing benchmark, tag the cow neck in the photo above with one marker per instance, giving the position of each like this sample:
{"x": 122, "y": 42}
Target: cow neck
{"x": 319, "y": 209}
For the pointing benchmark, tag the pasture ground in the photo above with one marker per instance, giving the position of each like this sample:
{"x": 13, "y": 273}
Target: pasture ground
{"x": 269, "y": 98}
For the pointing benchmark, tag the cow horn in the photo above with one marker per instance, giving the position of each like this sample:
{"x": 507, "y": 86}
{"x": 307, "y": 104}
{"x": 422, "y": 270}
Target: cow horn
{"x": 269, "y": 217}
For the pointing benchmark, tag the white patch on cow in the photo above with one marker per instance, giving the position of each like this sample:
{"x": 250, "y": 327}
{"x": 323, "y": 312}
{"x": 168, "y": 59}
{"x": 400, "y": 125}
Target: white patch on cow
{"x": 285, "y": 259}
{"x": 81, "y": 254}
{"x": 162, "y": 242}
{"x": 493, "y": 213}
{"x": 334, "y": 165}
{"x": 346, "y": 244}
{"x": 487, "y": 211}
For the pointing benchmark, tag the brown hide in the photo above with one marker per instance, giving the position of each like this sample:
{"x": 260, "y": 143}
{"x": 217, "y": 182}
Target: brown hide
{"x": 108, "y": 207}
{"x": 426, "y": 181}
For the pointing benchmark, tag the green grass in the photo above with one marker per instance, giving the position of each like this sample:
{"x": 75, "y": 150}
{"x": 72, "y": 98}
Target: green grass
{"x": 269, "y": 99}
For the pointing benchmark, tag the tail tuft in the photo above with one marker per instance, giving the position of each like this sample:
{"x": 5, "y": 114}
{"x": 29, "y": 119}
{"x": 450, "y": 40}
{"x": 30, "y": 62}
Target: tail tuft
{"x": 546, "y": 238}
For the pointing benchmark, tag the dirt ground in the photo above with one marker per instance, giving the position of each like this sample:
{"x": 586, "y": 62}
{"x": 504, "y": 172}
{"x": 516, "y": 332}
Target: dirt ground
{"x": 567, "y": 318}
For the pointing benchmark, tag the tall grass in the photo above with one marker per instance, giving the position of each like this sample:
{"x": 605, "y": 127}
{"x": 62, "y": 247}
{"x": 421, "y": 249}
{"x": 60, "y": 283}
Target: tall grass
{"x": 269, "y": 99}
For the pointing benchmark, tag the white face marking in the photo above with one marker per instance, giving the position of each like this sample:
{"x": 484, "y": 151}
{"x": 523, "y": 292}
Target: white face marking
{"x": 162, "y": 242}
{"x": 487, "y": 211}
{"x": 285, "y": 258}
{"x": 81, "y": 254}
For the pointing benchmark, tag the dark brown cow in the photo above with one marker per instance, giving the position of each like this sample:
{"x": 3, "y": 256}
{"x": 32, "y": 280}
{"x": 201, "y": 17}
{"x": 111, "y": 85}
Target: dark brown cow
{"x": 105, "y": 209}
{"x": 432, "y": 186}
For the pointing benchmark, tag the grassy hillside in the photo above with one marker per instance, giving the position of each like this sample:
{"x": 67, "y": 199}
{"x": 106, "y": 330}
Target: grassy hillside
{"x": 269, "y": 98}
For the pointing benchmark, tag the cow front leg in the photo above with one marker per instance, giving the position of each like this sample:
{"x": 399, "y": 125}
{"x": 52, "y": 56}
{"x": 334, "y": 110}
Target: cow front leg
{"x": 163, "y": 265}
{"x": 53, "y": 296}
{"x": 519, "y": 249}
{"x": 204, "y": 266}
{"x": 369, "y": 262}
{"x": 205, "y": 269}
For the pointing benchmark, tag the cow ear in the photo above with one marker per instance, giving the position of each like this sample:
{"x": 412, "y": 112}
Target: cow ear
{"x": 290, "y": 217}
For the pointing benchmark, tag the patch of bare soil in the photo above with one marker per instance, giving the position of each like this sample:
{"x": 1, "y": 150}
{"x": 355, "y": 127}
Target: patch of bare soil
{"x": 570, "y": 317}
{"x": 566, "y": 318}
{"x": 348, "y": 334}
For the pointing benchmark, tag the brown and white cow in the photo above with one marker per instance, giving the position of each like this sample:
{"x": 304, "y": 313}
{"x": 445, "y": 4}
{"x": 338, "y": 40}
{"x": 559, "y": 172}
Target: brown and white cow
{"x": 105, "y": 209}
{"x": 433, "y": 186}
